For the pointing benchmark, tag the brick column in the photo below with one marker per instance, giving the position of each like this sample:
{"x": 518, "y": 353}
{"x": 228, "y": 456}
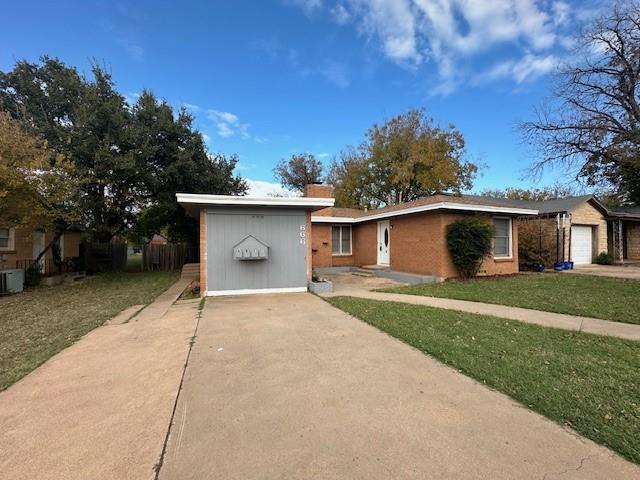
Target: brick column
{"x": 203, "y": 252}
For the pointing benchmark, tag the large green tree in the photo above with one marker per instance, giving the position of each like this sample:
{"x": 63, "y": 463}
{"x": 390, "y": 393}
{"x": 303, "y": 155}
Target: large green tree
{"x": 405, "y": 158}
{"x": 299, "y": 170}
{"x": 175, "y": 160}
{"x": 129, "y": 160}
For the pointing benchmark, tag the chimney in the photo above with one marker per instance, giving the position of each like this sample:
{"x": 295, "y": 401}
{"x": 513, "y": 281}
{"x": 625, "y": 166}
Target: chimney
{"x": 318, "y": 190}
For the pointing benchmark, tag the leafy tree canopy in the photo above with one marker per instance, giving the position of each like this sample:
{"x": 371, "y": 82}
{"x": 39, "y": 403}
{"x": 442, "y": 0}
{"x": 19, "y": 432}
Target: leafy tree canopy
{"x": 129, "y": 160}
{"x": 405, "y": 158}
{"x": 299, "y": 170}
{"x": 37, "y": 187}
{"x": 533, "y": 194}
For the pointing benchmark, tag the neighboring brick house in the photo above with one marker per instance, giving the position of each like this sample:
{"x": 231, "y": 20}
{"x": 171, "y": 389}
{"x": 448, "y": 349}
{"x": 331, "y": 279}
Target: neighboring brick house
{"x": 410, "y": 237}
{"x": 578, "y": 229}
{"x": 624, "y": 230}
{"x": 18, "y": 246}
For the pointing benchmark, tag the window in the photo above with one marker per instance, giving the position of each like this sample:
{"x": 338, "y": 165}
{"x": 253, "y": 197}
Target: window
{"x": 6, "y": 238}
{"x": 341, "y": 240}
{"x": 502, "y": 238}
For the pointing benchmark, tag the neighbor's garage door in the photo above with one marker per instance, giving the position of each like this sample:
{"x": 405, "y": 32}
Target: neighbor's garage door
{"x": 581, "y": 244}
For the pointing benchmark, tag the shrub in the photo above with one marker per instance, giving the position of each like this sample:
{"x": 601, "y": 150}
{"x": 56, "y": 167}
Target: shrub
{"x": 469, "y": 241}
{"x": 604, "y": 259}
{"x": 32, "y": 276}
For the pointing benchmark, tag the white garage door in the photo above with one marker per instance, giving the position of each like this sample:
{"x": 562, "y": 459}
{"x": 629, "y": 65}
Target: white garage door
{"x": 581, "y": 248}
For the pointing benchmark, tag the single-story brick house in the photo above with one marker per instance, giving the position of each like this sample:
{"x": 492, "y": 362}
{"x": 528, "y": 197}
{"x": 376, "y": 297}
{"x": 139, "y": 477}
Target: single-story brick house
{"x": 262, "y": 245}
{"x": 19, "y": 246}
{"x": 411, "y": 237}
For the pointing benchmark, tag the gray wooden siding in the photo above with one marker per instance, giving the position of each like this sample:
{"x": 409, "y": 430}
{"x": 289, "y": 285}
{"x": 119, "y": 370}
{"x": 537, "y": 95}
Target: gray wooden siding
{"x": 286, "y": 266}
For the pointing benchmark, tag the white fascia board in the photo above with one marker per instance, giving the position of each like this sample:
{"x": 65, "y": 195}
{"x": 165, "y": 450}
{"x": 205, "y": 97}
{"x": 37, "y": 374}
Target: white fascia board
{"x": 204, "y": 199}
{"x": 427, "y": 208}
{"x": 255, "y": 291}
{"x": 325, "y": 219}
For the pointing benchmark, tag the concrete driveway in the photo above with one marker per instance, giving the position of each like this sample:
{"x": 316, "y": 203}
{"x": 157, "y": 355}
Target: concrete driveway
{"x": 287, "y": 386}
{"x": 630, "y": 270}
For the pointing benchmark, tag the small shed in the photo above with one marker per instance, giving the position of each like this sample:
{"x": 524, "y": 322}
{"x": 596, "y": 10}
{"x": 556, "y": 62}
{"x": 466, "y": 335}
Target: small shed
{"x": 253, "y": 244}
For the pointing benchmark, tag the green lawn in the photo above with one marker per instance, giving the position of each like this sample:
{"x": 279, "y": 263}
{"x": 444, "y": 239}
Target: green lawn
{"x": 39, "y": 323}
{"x": 599, "y": 297}
{"x": 588, "y": 382}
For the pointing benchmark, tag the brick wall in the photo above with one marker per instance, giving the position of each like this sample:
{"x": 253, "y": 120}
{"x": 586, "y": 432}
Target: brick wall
{"x": 587, "y": 214}
{"x": 203, "y": 252}
{"x": 321, "y": 248}
{"x": 309, "y": 245}
{"x": 633, "y": 241}
{"x": 416, "y": 244}
{"x": 365, "y": 243}
{"x": 317, "y": 190}
{"x": 321, "y": 245}
{"x": 23, "y": 247}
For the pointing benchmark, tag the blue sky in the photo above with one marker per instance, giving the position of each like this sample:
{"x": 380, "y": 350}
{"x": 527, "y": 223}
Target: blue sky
{"x": 266, "y": 79}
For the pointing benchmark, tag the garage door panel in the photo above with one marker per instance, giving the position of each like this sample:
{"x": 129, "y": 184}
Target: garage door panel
{"x": 286, "y": 266}
{"x": 581, "y": 244}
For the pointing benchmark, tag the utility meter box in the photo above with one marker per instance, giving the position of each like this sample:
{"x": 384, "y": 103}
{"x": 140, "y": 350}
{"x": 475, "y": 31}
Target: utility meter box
{"x": 250, "y": 248}
{"x": 11, "y": 281}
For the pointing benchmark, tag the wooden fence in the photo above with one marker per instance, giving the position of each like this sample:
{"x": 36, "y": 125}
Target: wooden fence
{"x": 104, "y": 257}
{"x": 168, "y": 257}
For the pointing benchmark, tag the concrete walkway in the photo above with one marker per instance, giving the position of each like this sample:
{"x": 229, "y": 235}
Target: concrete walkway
{"x": 546, "y": 319}
{"x": 288, "y": 387}
{"x": 100, "y": 408}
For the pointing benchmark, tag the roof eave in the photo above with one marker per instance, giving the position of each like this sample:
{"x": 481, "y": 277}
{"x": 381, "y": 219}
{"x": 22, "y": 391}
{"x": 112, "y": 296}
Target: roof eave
{"x": 427, "y": 208}
{"x": 192, "y": 202}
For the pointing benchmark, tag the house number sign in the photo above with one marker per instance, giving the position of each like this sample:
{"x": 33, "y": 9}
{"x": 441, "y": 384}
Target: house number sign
{"x": 303, "y": 234}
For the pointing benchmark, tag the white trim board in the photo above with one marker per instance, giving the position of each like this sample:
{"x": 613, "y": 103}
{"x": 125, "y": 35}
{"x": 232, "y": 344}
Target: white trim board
{"x": 255, "y": 291}
{"x": 425, "y": 208}
{"x": 205, "y": 199}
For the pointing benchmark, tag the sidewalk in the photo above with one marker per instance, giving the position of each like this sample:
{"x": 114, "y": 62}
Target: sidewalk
{"x": 546, "y": 319}
{"x": 100, "y": 408}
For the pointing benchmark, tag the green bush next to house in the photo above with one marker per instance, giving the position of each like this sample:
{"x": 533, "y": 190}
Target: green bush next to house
{"x": 469, "y": 241}
{"x": 604, "y": 259}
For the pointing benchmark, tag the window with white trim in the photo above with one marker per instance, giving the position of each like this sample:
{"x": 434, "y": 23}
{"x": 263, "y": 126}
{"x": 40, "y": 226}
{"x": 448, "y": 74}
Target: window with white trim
{"x": 502, "y": 237}
{"x": 6, "y": 239}
{"x": 341, "y": 240}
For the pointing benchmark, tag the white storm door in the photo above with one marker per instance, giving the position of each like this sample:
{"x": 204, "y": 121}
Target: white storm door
{"x": 384, "y": 243}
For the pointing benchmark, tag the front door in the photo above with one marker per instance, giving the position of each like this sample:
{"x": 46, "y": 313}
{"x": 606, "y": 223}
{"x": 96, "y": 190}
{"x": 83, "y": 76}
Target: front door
{"x": 384, "y": 242}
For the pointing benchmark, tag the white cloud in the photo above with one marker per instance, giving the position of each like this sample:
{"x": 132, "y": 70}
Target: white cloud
{"x": 527, "y": 68}
{"x": 260, "y": 188}
{"x": 228, "y": 125}
{"x": 322, "y": 155}
{"x": 340, "y": 14}
{"x": 191, "y": 106}
{"x": 393, "y": 23}
{"x": 446, "y": 33}
{"x": 206, "y": 138}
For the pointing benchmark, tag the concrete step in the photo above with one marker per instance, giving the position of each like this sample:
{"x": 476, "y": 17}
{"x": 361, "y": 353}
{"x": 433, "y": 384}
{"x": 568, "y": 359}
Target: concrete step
{"x": 362, "y": 274}
{"x": 375, "y": 268}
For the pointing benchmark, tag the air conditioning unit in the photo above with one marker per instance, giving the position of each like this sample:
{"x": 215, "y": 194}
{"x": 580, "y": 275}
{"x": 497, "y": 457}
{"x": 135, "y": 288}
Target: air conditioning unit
{"x": 11, "y": 281}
